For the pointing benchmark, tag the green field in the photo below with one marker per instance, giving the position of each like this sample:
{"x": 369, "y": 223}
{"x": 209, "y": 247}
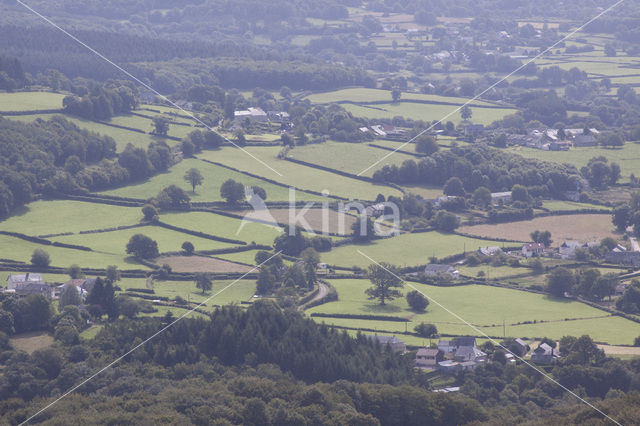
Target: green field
{"x": 297, "y": 175}
{"x": 242, "y": 290}
{"x": 406, "y": 249}
{"x": 628, "y": 157}
{"x": 121, "y": 136}
{"x": 114, "y": 242}
{"x": 427, "y": 112}
{"x": 214, "y": 177}
{"x": 558, "y": 206}
{"x": 30, "y": 101}
{"x": 371, "y": 95}
{"x": 21, "y": 250}
{"x": 61, "y": 216}
{"x": 348, "y": 157}
{"x": 221, "y": 226}
{"x": 483, "y": 306}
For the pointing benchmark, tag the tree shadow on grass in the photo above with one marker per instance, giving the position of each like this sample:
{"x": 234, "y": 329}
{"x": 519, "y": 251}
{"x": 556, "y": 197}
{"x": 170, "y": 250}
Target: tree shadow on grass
{"x": 377, "y": 308}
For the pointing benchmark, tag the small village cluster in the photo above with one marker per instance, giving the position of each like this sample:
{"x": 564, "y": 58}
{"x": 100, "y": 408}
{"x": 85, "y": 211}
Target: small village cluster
{"x": 462, "y": 353}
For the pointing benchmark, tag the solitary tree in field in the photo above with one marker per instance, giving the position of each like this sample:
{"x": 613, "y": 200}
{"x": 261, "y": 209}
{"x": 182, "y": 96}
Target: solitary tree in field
{"x": 40, "y": 258}
{"x": 386, "y": 282}
{"x": 232, "y": 191}
{"x": 188, "y": 247}
{"x": 74, "y": 271}
{"x": 559, "y": 281}
{"x": 417, "y": 301}
{"x": 426, "y": 144}
{"x": 426, "y": 330}
{"x": 142, "y": 246}
{"x": 395, "y": 95}
{"x": 203, "y": 282}
{"x": 160, "y": 126}
{"x": 194, "y": 177}
{"x": 466, "y": 113}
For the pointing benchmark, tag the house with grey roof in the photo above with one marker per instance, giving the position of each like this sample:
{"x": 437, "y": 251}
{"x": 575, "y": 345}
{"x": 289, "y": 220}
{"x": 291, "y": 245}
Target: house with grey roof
{"x": 433, "y": 269}
{"x": 489, "y": 251}
{"x": 15, "y": 279}
{"x": 428, "y": 357}
{"x": 543, "y": 354}
{"x": 27, "y": 288}
{"x": 567, "y": 249}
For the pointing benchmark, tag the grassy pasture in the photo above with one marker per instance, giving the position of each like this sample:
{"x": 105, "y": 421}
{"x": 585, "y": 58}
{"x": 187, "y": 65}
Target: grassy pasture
{"x": 406, "y": 249}
{"x": 121, "y": 136}
{"x": 221, "y": 226}
{"x": 114, "y": 242}
{"x": 32, "y": 341}
{"x": 427, "y": 112}
{"x": 297, "y": 175}
{"x": 558, "y": 206}
{"x": 30, "y": 101}
{"x": 628, "y": 157}
{"x": 241, "y": 290}
{"x": 483, "y": 306}
{"x": 242, "y": 257}
{"x": 146, "y": 125}
{"x": 214, "y": 177}
{"x": 60, "y": 216}
{"x": 21, "y": 250}
{"x": 200, "y": 264}
{"x": 348, "y": 157}
{"x": 336, "y": 222}
{"x": 579, "y": 227}
{"x": 370, "y": 95}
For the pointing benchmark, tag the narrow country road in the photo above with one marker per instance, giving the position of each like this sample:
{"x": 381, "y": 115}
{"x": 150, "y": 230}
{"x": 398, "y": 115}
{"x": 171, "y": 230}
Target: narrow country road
{"x": 322, "y": 292}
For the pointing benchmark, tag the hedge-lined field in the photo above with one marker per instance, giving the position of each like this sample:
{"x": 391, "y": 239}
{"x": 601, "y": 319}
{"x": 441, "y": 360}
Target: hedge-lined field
{"x": 483, "y": 306}
{"x": 30, "y": 101}
{"x": 349, "y": 157}
{"x": 406, "y": 249}
{"x": 295, "y": 174}
{"x": 362, "y": 94}
{"x": 60, "y": 216}
{"x": 121, "y": 136}
{"x": 114, "y": 242}
{"x": 628, "y": 156}
{"x": 427, "y": 112}
{"x": 21, "y": 250}
{"x": 579, "y": 227}
{"x": 214, "y": 177}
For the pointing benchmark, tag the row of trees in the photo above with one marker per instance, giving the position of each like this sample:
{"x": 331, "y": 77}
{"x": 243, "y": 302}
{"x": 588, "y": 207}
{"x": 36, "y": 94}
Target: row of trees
{"x": 589, "y": 283}
{"x": 103, "y": 102}
{"x": 480, "y": 165}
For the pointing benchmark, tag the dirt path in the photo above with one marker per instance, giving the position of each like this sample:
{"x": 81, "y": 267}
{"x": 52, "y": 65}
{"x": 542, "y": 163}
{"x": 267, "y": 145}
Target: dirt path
{"x": 322, "y": 292}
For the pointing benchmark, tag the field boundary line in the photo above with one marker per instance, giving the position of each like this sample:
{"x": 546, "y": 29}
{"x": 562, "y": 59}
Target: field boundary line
{"x": 569, "y": 35}
{"x": 162, "y": 330}
{"x": 495, "y": 342}
{"x": 145, "y": 85}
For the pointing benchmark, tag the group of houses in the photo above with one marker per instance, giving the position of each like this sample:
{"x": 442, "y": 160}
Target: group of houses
{"x": 32, "y": 283}
{"x": 555, "y": 139}
{"x": 458, "y": 354}
{"x": 256, "y": 115}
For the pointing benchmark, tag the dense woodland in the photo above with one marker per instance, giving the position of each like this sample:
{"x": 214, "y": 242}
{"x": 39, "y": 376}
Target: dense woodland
{"x": 266, "y": 366}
